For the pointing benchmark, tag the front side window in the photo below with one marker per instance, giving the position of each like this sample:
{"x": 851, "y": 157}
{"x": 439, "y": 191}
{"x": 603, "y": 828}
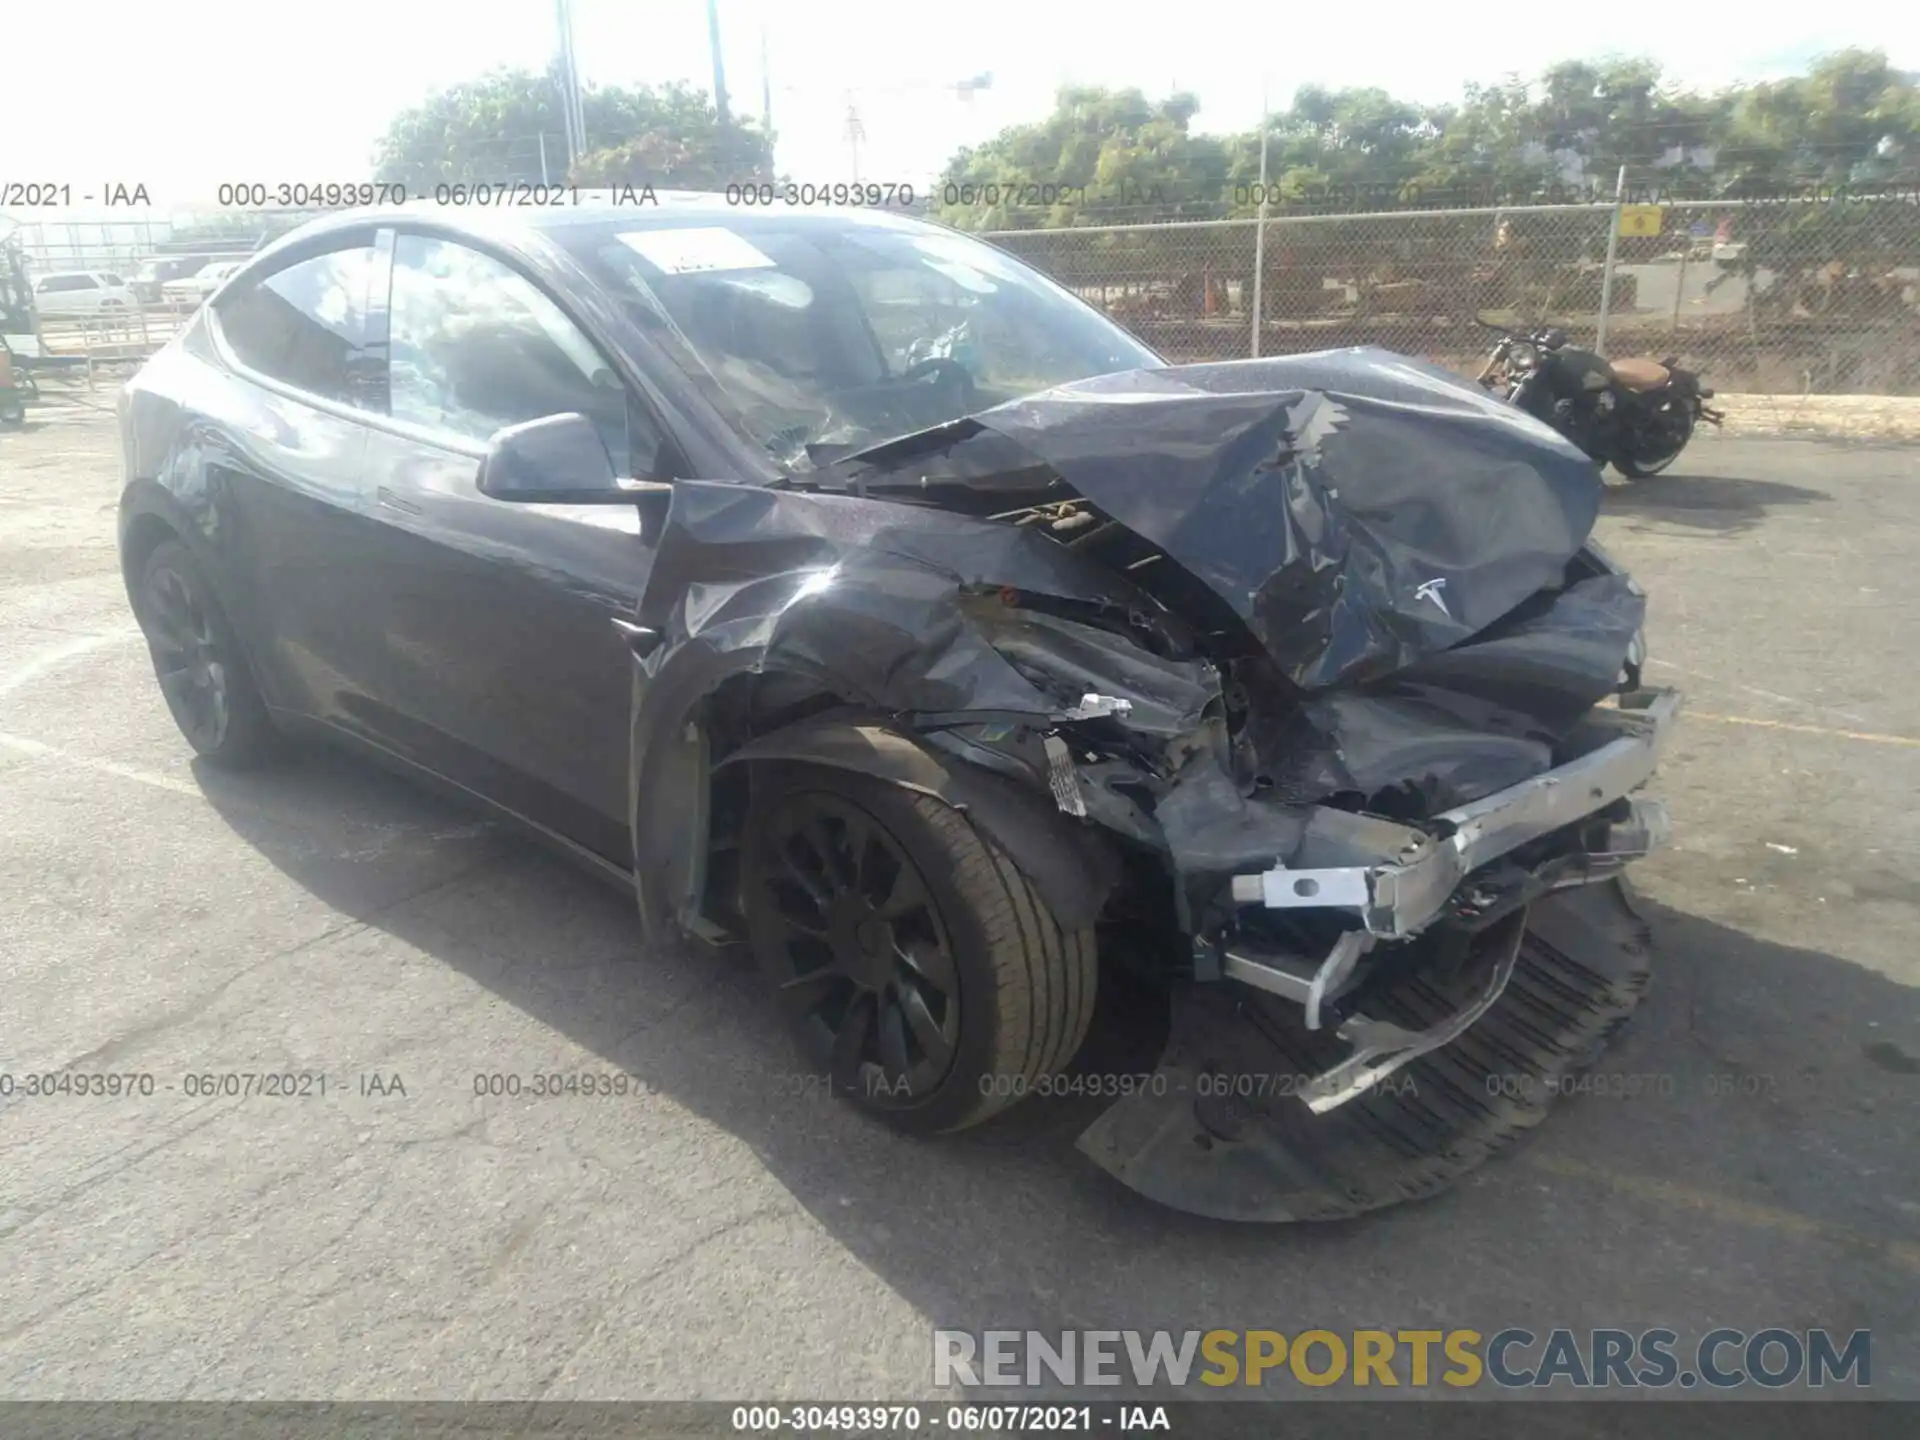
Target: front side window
{"x": 474, "y": 346}
{"x": 305, "y": 325}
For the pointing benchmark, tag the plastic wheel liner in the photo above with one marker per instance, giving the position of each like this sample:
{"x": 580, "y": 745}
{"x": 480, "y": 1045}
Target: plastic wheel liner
{"x": 1323, "y": 637}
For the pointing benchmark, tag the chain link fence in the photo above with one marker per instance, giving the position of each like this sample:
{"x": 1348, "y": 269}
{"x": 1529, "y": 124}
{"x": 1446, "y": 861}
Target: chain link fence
{"x": 1781, "y": 298}
{"x": 1767, "y": 298}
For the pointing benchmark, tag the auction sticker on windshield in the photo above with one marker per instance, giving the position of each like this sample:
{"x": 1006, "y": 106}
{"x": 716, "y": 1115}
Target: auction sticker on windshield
{"x": 695, "y": 251}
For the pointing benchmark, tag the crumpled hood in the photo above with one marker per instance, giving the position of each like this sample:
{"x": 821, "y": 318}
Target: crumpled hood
{"x": 1357, "y": 510}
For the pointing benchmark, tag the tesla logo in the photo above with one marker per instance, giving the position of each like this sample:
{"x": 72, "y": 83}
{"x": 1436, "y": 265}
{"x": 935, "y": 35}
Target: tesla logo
{"x": 1431, "y": 591}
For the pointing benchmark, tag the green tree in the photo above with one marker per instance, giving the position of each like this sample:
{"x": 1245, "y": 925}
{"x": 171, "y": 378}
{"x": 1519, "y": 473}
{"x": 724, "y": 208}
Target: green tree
{"x": 1851, "y": 119}
{"x": 676, "y": 139}
{"x": 508, "y": 126}
{"x": 1103, "y": 155}
{"x": 1338, "y": 145}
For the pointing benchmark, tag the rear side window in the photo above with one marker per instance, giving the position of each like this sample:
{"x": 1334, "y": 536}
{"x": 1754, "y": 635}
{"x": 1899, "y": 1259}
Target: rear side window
{"x": 305, "y": 325}
{"x": 475, "y": 346}
{"x": 53, "y": 284}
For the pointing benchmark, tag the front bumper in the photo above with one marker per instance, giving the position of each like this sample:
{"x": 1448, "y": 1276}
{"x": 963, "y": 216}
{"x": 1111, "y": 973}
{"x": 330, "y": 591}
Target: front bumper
{"x": 1398, "y": 899}
{"x": 1458, "y": 867}
{"x": 1220, "y": 1128}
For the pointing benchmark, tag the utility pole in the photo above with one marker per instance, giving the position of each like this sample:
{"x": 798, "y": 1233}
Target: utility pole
{"x": 766, "y": 86}
{"x": 719, "y": 70}
{"x": 569, "y": 78}
{"x": 856, "y": 132}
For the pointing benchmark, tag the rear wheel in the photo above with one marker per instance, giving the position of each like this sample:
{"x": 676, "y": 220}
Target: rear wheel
{"x": 198, "y": 662}
{"x": 1658, "y": 446}
{"x": 917, "y": 966}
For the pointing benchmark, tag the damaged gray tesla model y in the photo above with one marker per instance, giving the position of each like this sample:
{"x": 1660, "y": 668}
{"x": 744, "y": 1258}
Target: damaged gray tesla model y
{"x": 854, "y": 593}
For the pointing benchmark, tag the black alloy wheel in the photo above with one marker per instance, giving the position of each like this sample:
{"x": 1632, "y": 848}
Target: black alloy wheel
{"x": 923, "y": 973}
{"x": 202, "y": 674}
{"x": 867, "y": 971}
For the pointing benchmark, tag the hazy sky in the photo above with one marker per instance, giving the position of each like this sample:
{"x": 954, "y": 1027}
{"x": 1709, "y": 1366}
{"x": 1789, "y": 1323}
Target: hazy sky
{"x": 185, "y": 95}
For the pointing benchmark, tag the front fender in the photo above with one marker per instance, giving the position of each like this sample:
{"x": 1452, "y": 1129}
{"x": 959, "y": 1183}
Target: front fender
{"x": 1073, "y": 868}
{"x": 673, "y": 774}
{"x": 867, "y": 603}
{"x": 147, "y": 503}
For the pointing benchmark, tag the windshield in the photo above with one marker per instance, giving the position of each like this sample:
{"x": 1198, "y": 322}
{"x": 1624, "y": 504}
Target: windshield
{"x": 824, "y": 335}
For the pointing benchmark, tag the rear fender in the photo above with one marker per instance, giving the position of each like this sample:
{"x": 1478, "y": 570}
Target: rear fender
{"x": 150, "y": 514}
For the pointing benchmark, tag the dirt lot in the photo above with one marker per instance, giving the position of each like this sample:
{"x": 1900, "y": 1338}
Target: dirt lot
{"x": 721, "y": 1236}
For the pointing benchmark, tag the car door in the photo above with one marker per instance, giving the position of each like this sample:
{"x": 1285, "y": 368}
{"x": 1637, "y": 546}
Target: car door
{"x": 59, "y": 296}
{"x": 280, "y": 458}
{"x": 502, "y": 663}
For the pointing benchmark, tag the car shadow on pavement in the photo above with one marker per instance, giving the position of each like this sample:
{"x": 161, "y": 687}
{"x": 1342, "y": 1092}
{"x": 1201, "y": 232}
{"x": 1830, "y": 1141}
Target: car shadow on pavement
{"x": 1722, "y": 504}
{"x": 1776, "y": 1087}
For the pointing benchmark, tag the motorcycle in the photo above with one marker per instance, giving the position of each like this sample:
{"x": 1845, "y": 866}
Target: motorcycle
{"x": 1636, "y": 415}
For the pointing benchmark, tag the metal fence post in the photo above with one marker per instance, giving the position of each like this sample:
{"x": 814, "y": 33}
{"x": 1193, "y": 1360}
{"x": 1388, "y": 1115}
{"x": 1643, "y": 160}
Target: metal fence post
{"x": 1613, "y": 250}
{"x": 1260, "y": 235}
{"x": 1680, "y": 283}
{"x": 1259, "y": 268}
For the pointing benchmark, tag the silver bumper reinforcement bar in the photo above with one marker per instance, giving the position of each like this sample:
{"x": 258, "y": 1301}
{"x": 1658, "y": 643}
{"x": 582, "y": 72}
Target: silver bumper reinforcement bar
{"x": 1396, "y": 901}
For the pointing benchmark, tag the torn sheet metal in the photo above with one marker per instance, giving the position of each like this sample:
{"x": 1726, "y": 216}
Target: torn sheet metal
{"x": 904, "y": 611}
{"x": 1460, "y": 724}
{"x": 890, "y": 606}
{"x": 1356, "y": 510}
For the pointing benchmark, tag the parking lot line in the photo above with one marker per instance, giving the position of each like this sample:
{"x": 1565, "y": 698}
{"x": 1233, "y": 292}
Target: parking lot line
{"x": 1772, "y": 695}
{"x": 55, "y": 656}
{"x": 25, "y": 745}
{"x": 1866, "y": 735}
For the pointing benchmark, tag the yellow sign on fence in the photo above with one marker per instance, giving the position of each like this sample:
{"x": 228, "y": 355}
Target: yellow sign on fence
{"x": 1642, "y": 219}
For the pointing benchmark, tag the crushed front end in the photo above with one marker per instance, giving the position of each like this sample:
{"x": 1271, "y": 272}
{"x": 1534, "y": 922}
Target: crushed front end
{"x": 1321, "y": 650}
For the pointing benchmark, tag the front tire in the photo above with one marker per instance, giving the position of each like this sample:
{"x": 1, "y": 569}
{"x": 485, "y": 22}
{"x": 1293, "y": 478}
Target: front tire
{"x": 197, "y": 659}
{"x": 917, "y": 966}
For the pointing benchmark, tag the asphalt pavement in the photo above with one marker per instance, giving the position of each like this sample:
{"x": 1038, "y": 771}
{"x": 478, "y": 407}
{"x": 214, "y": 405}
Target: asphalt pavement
{"x": 724, "y": 1231}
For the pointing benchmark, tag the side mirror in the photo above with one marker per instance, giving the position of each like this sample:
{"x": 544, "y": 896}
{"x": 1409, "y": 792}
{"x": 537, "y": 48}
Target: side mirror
{"x": 558, "y": 460}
